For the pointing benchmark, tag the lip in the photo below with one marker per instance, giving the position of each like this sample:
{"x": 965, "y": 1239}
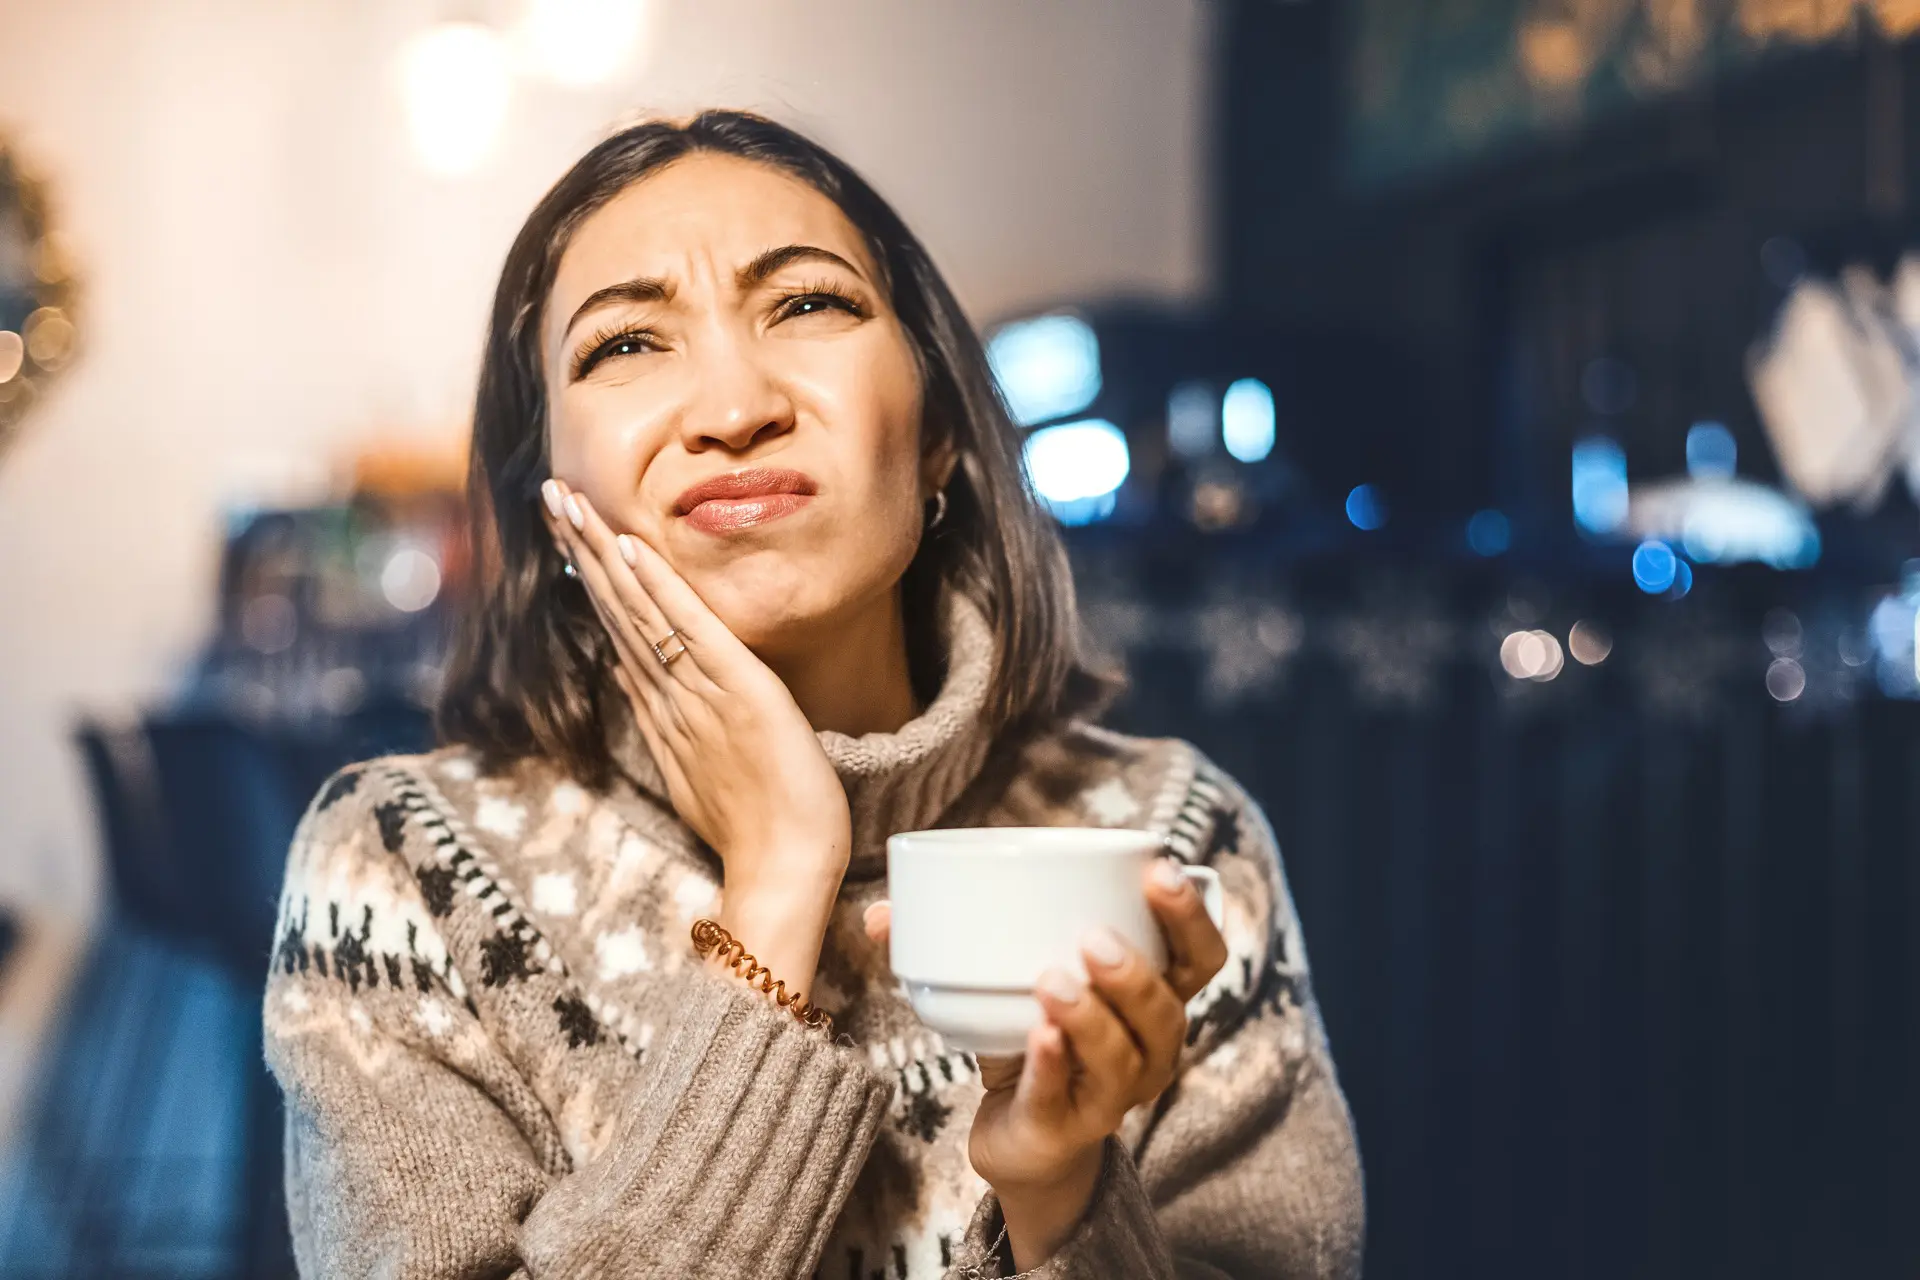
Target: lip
{"x": 741, "y": 499}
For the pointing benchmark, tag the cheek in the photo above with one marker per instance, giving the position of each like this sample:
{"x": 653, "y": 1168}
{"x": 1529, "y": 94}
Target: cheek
{"x": 600, "y": 445}
{"x": 881, "y": 433}
{"x": 869, "y": 396}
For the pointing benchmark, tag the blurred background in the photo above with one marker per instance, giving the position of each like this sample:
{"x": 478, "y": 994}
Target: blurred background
{"x": 1487, "y": 427}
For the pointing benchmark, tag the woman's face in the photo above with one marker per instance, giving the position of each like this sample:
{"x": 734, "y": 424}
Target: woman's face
{"x": 721, "y": 321}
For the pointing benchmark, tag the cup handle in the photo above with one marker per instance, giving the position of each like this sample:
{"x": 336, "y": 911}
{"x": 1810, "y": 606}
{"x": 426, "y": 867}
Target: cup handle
{"x": 1207, "y": 881}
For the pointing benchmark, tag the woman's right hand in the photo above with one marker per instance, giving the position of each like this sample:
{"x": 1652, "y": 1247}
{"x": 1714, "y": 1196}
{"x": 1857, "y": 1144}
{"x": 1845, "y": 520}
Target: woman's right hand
{"x": 742, "y": 765}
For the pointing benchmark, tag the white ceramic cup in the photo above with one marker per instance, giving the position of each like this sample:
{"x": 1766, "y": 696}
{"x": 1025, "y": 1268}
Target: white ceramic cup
{"x": 979, "y": 913}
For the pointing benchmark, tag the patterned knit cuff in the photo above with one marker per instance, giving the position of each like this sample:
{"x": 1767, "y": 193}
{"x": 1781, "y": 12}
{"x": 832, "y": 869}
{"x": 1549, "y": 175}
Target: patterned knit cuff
{"x": 1118, "y": 1237}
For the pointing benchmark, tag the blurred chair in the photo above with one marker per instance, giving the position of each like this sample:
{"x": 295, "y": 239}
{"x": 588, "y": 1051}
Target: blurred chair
{"x": 196, "y": 813}
{"x": 230, "y": 811}
{"x": 134, "y": 832}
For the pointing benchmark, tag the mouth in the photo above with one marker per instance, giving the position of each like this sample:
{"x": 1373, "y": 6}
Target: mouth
{"x": 745, "y": 499}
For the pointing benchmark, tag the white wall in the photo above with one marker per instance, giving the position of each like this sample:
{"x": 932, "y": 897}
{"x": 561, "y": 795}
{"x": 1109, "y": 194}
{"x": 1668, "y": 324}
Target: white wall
{"x": 272, "y": 274}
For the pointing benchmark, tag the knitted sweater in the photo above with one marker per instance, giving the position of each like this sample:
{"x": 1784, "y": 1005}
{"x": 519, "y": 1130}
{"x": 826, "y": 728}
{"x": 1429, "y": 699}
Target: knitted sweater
{"x": 502, "y": 1058}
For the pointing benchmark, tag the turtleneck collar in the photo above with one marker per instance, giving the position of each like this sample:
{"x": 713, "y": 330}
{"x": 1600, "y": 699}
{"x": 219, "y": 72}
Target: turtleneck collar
{"x": 899, "y": 781}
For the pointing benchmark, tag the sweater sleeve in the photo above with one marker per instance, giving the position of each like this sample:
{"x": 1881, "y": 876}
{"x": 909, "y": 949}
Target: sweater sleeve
{"x": 415, "y": 1148}
{"x": 1246, "y": 1167}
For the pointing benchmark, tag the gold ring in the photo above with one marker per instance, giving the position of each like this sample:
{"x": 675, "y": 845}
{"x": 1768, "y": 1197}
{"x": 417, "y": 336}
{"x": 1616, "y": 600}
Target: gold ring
{"x": 666, "y": 659}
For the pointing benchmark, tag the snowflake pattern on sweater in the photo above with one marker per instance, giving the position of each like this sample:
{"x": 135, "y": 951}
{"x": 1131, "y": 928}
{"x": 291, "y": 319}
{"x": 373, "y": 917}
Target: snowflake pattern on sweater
{"x": 412, "y": 911}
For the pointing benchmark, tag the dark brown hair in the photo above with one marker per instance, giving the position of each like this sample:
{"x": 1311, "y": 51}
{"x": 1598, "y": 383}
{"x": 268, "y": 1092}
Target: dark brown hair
{"x": 529, "y": 671}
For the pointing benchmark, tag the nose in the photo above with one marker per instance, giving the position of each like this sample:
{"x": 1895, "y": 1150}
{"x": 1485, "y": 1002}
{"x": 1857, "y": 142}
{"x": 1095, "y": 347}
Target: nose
{"x": 735, "y": 404}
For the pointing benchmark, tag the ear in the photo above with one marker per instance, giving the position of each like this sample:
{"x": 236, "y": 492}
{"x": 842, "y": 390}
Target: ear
{"x": 937, "y": 462}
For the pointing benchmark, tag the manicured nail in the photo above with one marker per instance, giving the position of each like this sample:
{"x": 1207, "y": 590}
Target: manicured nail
{"x": 1060, "y": 986}
{"x": 1168, "y": 876}
{"x": 579, "y": 519}
{"x": 628, "y": 551}
{"x": 1104, "y": 945}
{"x": 550, "y": 490}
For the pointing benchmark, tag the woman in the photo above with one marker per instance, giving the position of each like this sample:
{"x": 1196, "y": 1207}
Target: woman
{"x": 763, "y": 585}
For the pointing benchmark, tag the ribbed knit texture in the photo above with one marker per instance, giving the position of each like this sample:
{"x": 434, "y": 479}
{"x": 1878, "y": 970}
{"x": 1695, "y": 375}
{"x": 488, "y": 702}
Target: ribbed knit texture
{"x": 502, "y": 1058}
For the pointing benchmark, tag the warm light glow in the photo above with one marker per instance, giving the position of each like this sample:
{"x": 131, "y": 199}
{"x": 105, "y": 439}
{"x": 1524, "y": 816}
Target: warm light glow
{"x": 1531, "y": 655}
{"x": 410, "y": 580}
{"x": 13, "y": 353}
{"x": 456, "y": 84}
{"x": 1219, "y": 504}
{"x": 578, "y": 43}
{"x": 49, "y": 336}
{"x": 1786, "y": 679}
{"x": 1589, "y": 643}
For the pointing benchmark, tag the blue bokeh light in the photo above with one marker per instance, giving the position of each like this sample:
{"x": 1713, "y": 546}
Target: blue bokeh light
{"x": 1047, "y": 367}
{"x": 1488, "y": 532}
{"x": 1193, "y": 420}
{"x": 1711, "y": 451}
{"x": 1655, "y": 567}
{"x": 1076, "y": 468}
{"x": 1366, "y": 508}
{"x": 1246, "y": 419}
{"x": 1079, "y": 511}
{"x": 1599, "y": 485}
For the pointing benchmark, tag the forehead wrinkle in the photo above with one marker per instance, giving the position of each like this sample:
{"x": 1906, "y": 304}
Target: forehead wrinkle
{"x": 804, "y": 232}
{"x": 751, "y": 274}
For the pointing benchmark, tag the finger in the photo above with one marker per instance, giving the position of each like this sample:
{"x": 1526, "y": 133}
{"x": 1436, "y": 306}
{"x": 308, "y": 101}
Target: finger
{"x": 663, "y": 693}
{"x": 651, "y": 712}
{"x": 877, "y": 920}
{"x": 1046, "y": 1079}
{"x": 1195, "y": 949}
{"x": 649, "y": 623}
{"x": 632, "y": 651}
{"x": 1106, "y": 1050}
{"x": 710, "y": 639}
{"x": 586, "y": 525}
{"x": 556, "y": 510}
{"x": 1153, "y": 1014}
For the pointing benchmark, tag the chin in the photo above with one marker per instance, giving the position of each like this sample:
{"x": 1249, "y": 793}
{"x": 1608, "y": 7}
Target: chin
{"x": 768, "y": 611}
{"x": 791, "y": 605}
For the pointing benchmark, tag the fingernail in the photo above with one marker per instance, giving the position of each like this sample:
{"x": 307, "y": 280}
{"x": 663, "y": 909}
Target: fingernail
{"x": 1104, "y": 945}
{"x": 550, "y": 490}
{"x": 1059, "y": 985}
{"x": 1169, "y": 876}
{"x": 628, "y": 552}
{"x": 572, "y": 505}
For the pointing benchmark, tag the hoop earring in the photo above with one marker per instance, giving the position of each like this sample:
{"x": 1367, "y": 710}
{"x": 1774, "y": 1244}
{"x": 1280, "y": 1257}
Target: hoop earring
{"x": 939, "y": 507}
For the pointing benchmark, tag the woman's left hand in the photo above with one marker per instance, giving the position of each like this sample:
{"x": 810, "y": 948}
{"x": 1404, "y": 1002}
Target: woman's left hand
{"x": 1104, "y": 1048}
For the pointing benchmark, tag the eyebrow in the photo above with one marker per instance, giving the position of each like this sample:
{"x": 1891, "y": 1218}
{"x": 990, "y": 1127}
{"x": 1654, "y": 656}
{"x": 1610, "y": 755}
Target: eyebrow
{"x": 654, "y": 289}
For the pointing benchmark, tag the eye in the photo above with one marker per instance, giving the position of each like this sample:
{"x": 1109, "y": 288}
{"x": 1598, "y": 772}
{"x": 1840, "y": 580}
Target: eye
{"x": 621, "y": 342}
{"x": 818, "y": 298}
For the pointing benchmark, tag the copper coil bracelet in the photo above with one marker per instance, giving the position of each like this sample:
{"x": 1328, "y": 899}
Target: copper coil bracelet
{"x": 709, "y": 936}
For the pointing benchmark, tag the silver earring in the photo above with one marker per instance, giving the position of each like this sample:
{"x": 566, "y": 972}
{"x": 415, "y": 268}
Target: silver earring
{"x": 570, "y": 571}
{"x": 939, "y": 507}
